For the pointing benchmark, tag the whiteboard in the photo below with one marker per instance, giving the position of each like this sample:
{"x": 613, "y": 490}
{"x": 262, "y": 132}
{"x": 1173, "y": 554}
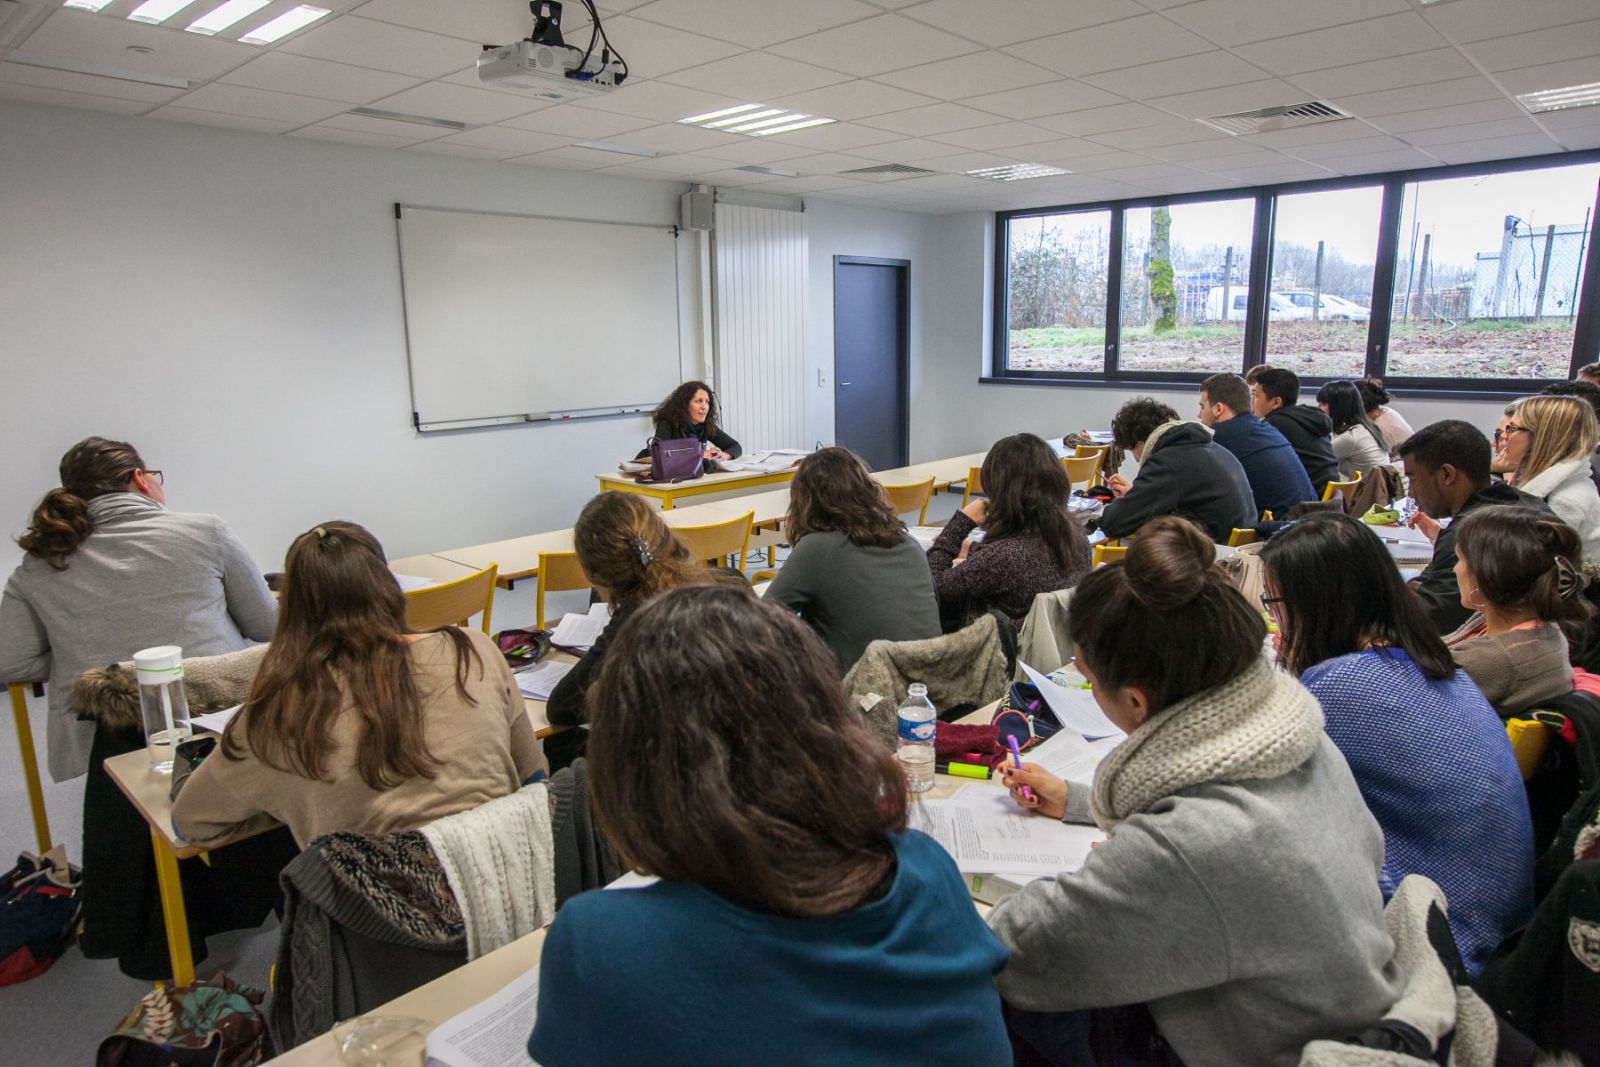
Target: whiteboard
{"x": 512, "y": 318}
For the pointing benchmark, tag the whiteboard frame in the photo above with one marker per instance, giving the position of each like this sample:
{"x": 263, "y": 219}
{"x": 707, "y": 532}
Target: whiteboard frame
{"x": 523, "y": 418}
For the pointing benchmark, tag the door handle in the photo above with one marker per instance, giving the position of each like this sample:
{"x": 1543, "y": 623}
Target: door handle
{"x": 843, "y": 384}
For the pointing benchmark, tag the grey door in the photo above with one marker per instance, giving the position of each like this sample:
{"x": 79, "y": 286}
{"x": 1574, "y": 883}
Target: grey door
{"x": 871, "y": 402}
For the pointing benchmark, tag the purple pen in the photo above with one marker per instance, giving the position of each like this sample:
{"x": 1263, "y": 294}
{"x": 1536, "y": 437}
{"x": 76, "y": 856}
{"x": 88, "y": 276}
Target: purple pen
{"x": 1016, "y": 758}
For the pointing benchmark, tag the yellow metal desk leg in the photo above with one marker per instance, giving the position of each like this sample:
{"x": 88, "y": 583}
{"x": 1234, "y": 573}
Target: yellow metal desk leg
{"x": 172, "y": 911}
{"x": 30, "y": 767}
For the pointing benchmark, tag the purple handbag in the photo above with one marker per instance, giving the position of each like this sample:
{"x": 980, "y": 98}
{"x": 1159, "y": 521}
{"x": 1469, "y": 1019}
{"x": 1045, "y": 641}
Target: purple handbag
{"x": 677, "y": 460}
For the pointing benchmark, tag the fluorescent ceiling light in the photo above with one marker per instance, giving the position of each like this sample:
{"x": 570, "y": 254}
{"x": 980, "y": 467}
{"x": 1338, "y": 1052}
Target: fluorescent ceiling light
{"x": 401, "y": 116}
{"x": 87, "y": 5}
{"x": 740, "y": 120}
{"x": 156, "y": 12}
{"x": 1561, "y": 99}
{"x": 754, "y": 120}
{"x": 1016, "y": 172}
{"x": 285, "y": 24}
{"x": 220, "y": 18}
{"x": 806, "y": 123}
{"x": 52, "y": 63}
{"x": 696, "y": 120}
{"x": 621, "y": 149}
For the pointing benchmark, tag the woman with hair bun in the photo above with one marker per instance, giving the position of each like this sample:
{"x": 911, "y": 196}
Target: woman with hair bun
{"x": 1375, "y": 400}
{"x": 1521, "y": 575}
{"x": 108, "y": 570}
{"x": 1237, "y": 893}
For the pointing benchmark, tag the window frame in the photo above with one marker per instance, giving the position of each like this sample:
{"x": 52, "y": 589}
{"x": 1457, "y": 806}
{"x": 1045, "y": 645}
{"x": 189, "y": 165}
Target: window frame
{"x": 1586, "y": 327}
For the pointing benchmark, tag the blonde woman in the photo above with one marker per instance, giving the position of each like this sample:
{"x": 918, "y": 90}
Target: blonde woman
{"x": 1543, "y": 445}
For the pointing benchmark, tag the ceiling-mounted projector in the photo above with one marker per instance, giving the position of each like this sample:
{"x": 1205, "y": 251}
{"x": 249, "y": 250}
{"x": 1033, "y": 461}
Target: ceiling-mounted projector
{"x": 544, "y": 65}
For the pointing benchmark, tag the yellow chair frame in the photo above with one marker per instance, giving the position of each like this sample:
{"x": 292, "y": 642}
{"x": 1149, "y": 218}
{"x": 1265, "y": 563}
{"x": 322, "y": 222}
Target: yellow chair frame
{"x": 558, "y": 572}
{"x": 1241, "y": 537}
{"x": 1094, "y": 450}
{"x": 453, "y": 603}
{"x": 905, "y": 499}
{"x": 30, "y": 764}
{"x": 974, "y": 486}
{"x": 718, "y": 539}
{"x": 1346, "y": 488}
{"x": 1107, "y": 552}
{"x": 1085, "y": 469}
{"x": 1529, "y": 740}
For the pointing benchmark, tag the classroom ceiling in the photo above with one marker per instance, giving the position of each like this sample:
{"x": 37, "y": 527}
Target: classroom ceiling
{"x": 1107, "y": 89}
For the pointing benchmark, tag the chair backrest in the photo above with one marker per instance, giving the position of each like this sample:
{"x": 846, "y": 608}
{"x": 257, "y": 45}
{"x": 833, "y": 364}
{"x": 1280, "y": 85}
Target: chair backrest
{"x": 719, "y": 539}
{"x": 1102, "y": 451}
{"x": 557, "y": 571}
{"x": 1346, "y": 489}
{"x": 974, "y": 486}
{"x": 1107, "y": 551}
{"x": 1529, "y": 739}
{"x": 1242, "y": 537}
{"x": 908, "y": 498}
{"x": 1082, "y": 468}
{"x": 453, "y": 603}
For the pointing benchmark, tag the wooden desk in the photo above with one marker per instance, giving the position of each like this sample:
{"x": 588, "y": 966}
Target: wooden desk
{"x": 670, "y": 494}
{"x": 436, "y": 568}
{"x": 30, "y": 758}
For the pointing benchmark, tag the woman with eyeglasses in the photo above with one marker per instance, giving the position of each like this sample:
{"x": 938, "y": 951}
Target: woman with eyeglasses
{"x": 1429, "y": 754}
{"x": 1543, "y": 445}
{"x": 107, "y": 571}
{"x": 1521, "y": 575}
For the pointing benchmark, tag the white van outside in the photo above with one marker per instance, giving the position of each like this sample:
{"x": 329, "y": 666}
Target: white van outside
{"x": 1279, "y": 308}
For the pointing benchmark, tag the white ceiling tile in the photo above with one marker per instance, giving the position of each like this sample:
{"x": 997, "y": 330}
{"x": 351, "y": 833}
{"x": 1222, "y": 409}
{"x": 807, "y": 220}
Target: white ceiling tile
{"x": 829, "y": 163}
{"x": 652, "y": 50}
{"x": 806, "y": 184}
{"x": 969, "y": 75}
{"x": 757, "y": 150}
{"x": 1380, "y": 38}
{"x": 1154, "y": 173}
{"x": 935, "y": 118}
{"x": 1453, "y": 115}
{"x": 911, "y": 150}
{"x": 885, "y": 43}
{"x": 579, "y": 123}
{"x": 371, "y": 140}
{"x": 1127, "y": 43}
{"x": 1578, "y": 137}
{"x": 835, "y": 137}
{"x": 1167, "y": 133}
{"x": 1252, "y": 157}
{"x": 105, "y": 42}
{"x": 43, "y": 94}
{"x": 1288, "y": 171}
{"x": 1572, "y": 117}
{"x": 686, "y": 166}
{"x": 479, "y": 21}
{"x": 755, "y": 76}
{"x": 367, "y": 124}
{"x": 1234, "y": 22}
{"x": 676, "y": 137}
{"x": 88, "y": 84}
{"x": 1231, "y": 99}
{"x": 1580, "y": 40}
{"x": 504, "y": 138}
{"x": 1550, "y": 75}
{"x": 1320, "y": 150}
{"x": 1473, "y": 131}
{"x": 1377, "y": 162}
{"x": 754, "y": 25}
{"x": 1419, "y": 97}
{"x": 1419, "y": 68}
{"x": 1095, "y": 162}
{"x": 382, "y": 46}
{"x": 285, "y": 73}
{"x": 462, "y": 150}
{"x": 1187, "y": 74}
{"x": 1495, "y": 148}
{"x": 571, "y": 158}
{"x": 261, "y": 104}
{"x": 852, "y": 100}
{"x": 458, "y": 103}
{"x": 217, "y": 118}
{"x": 660, "y": 101}
{"x": 1478, "y": 20}
{"x": 998, "y": 22}
{"x": 960, "y": 164}
{"x": 1000, "y": 135}
{"x": 1101, "y": 119}
{"x": 1051, "y": 98}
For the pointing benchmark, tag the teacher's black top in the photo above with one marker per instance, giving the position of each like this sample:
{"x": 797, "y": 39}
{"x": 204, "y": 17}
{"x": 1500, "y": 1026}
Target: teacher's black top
{"x": 665, "y": 431}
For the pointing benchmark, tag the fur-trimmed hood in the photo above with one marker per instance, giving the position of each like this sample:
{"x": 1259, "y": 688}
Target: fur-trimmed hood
{"x": 110, "y": 695}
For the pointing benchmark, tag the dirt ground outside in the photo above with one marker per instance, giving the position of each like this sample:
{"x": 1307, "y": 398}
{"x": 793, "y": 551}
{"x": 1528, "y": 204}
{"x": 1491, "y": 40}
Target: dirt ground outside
{"x": 1477, "y": 349}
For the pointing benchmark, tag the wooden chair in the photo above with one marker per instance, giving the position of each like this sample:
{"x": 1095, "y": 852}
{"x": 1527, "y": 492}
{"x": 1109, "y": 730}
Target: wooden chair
{"x": 1085, "y": 469}
{"x": 452, "y": 603}
{"x": 1108, "y": 551}
{"x": 1242, "y": 537}
{"x": 974, "y": 486}
{"x": 558, "y": 572}
{"x": 1094, "y": 450}
{"x": 1529, "y": 739}
{"x": 905, "y": 499}
{"x": 1346, "y": 488}
{"x": 719, "y": 539}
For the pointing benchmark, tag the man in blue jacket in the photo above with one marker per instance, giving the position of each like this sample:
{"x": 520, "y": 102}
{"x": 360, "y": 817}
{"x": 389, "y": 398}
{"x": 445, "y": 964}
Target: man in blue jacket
{"x": 1277, "y": 478}
{"x": 1181, "y": 472}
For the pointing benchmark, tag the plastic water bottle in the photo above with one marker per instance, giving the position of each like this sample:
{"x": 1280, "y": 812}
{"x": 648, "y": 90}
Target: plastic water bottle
{"x": 161, "y": 697}
{"x": 917, "y": 718}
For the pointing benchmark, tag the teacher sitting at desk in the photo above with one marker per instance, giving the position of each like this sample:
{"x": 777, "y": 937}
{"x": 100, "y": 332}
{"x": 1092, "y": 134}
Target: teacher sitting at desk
{"x": 690, "y": 410}
{"x": 354, "y": 722}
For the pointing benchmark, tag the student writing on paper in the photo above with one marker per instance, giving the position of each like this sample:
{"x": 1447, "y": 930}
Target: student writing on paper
{"x": 1031, "y": 542}
{"x": 353, "y": 721}
{"x": 1428, "y": 752}
{"x": 854, "y": 573}
{"x": 690, "y": 410}
{"x": 1182, "y": 471}
{"x": 630, "y": 555}
{"x": 797, "y": 920}
{"x": 1237, "y": 893}
{"x": 108, "y": 570}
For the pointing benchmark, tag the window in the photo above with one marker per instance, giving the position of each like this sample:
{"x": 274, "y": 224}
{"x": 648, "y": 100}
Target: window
{"x": 1058, "y": 268}
{"x": 1324, "y": 245}
{"x": 1488, "y": 273}
{"x": 1185, "y": 274}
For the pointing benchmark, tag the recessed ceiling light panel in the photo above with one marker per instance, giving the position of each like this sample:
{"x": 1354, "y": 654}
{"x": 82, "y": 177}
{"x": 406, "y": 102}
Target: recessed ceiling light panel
{"x": 1016, "y": 172}
{"x": 220, "y": 18}
{"x": 87, "y": 5}
{"x": 1561, "y": 99}
{"x": 285, "y": 24}
{"x": 755, "y": 120}
{"x": 155, "y": 12}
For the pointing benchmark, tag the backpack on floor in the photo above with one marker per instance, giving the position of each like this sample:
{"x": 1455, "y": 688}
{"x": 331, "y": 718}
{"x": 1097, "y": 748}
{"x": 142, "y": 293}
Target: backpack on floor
{"x": 39, "y": 910}
{"x": 214, "y": 1023}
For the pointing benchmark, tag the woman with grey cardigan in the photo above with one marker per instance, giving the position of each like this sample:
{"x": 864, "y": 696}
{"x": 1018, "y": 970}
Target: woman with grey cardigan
{"x": 1237, "y": 893}
{"x": 109, "y": 570}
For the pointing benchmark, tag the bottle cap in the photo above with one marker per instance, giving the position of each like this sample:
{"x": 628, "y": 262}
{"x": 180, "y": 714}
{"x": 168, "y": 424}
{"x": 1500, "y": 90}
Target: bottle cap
{"x": 159, "y": 665}
{"x": 917, "y": 689}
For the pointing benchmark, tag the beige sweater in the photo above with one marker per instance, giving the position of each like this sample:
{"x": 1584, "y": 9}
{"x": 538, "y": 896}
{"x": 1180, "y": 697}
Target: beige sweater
{"x": 1515, "y": 670}
{"x": 487, "y": 749}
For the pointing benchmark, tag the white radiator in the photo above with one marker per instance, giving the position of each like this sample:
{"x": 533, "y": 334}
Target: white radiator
{"x": 760, "y": 288}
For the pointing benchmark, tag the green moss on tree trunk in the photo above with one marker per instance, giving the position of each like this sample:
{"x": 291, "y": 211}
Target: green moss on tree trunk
{"x": 1163, "y": 293}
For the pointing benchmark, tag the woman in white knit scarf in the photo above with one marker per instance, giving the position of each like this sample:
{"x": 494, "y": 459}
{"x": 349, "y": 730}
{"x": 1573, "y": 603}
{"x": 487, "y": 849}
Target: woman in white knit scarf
{"x": 1237, "y": 896}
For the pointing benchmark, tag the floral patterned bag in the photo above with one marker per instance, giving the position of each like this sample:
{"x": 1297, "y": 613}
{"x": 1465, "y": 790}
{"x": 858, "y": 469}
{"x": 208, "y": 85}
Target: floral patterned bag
{"x": 214, "y": 1023}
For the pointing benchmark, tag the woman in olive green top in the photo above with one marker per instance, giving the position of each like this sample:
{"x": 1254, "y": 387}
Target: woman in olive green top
{"x": 854, "y": 573}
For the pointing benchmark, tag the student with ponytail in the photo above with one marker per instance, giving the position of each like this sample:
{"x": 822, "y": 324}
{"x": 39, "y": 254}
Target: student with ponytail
{"x": 1237, "y": 892}
{"x": 109, "y": 570}
{"x": 629, "y": 555}
{"x": 1521, "y": 575}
